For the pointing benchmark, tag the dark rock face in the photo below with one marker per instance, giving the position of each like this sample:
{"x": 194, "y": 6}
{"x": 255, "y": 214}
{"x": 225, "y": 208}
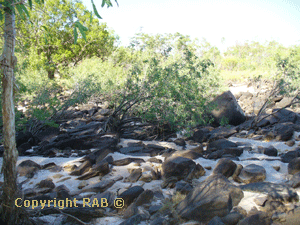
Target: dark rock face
{"x": 99, "y": 187}
{"x": 82, "y": 142}
{"x": 131, "y": 194}
{"x": 23, "y": 137}
{"x": 285, "y": 115}
{"x": 190, "y": 154}
{"x": 284, "y": 131}
{"x": 28, "y": 168}
{"x": 227, "y": 152}
{"x": 183, "y": 187}
{"x": 144, "y": 198}
{"x": 62, "y": 192}
{"x": 290, "y": 218}
{"x": 136, "y": 219}
{"x": 289, "y": 156}
{"x": 221, "y": 132}
{"x": 47, "y": 183}
{"x": 107, "y": 195}
{"x": 99, "y": 169}
{"x": 227, "y": 107}
{"x": 47, "y": 134}
{"x": 259, "y": 218}
{"x": 294, "y": 166}
{"x": 181, "y": 168}
{"x": 270, "y": 151}
{"x": 126, "y": 161}
{"x": 220, "y": 144}
{"x": 215, "y": 196}
{"x": 128, "y": 150}
{"x": 23, "y": 148}
{"x": 135, "y": 174}
{"x": 201, "y": 135}
{"x": 84, "y": 167}
{"x": 225, "y": 167}
{"x": 216, "y": 221}
{"x": 84, "y": 213}
{"x": 253, "y": 173}
{"x": 294, "y": 182}
{"x": 180, "y": 142}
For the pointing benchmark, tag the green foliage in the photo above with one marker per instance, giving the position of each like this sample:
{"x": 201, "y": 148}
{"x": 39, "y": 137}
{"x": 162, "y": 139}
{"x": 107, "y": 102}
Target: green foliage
{"x": 169, "y": 82}
{"x": 224, "y": 121}
{"x": 288, "y": 76}
{"x": 51, "y": 41}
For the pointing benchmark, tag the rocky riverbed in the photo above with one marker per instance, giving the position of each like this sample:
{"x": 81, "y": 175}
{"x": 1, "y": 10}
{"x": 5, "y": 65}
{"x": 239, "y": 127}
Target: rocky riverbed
{"x": 235, "y": 174}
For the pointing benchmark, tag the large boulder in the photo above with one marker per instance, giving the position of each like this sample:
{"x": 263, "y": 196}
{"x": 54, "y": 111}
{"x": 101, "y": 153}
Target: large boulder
{"x": 28, "y": 168}
{"x": 253, "y": 173}
{"x": 201, "y": 135}
{"x": 225, "y": 167}
{"x": 289, "y": 156}
{"x": 181, "y": 168}
{"x": 284, "y": 131}
{"x": 47, "y": 134}
{"x": 131, "y": 194}
{"x": 227, "y": 107}
{"x": 23, "y": 137}
{"x": 220, "y": 144}
{"x": 285, "y": 115}
{"x": 215, "y": 196}
{"x": 294, "y": 166}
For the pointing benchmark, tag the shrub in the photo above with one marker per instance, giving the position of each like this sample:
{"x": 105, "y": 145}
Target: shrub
{"x": 171, "y": 88}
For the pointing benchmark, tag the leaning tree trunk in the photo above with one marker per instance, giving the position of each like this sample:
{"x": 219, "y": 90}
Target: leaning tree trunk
{"x": 8, "y": 61}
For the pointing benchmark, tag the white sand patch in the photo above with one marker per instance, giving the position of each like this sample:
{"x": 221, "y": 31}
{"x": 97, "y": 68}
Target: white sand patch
{"x": 238, "y": 89}
{"x": 124, "y": 143}
{"x": 108, "y": 220}
{"x": 248, "y": 201}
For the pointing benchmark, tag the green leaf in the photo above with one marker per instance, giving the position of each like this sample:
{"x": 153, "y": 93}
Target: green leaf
{"x": 30, "y": 4}
{"x": 91, "y": 17}
{"x": 80, "y": 26}
{"x": 24, "y": 10}
{"x": 45, "y": 28}
{"x": 81, "y": 29}
{"x": 1, "y": 16}
{"x": 107, "y": 2}
{"x": 75, "y": 35}
{"x": 46, "y": 41}
{"x": 95, "y": 10}
{"x": 20, "y": 11}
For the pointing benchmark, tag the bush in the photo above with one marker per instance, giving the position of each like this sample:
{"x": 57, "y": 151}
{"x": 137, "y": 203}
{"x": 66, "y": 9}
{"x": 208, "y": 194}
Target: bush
{"x": 171, "y": 88}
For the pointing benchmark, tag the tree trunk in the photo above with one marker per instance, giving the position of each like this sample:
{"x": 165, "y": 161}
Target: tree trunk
{"x": 10, "y": 155}
{"x": 50, "y": 74}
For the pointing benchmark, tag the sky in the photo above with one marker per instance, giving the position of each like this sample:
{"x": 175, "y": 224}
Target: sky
{"x": 233, "y": 20}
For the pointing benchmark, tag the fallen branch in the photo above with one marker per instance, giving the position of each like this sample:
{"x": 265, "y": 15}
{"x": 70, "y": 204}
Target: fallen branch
{"x": 288, "y": 105}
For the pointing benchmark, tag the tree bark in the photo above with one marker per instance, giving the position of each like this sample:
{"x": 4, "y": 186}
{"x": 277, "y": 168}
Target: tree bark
{"x": 10, "y": 155}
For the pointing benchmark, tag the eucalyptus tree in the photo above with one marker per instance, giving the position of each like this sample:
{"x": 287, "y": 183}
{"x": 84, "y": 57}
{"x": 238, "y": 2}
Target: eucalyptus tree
{"x": 8, "y": 61}
{"x": 51, "y": 43}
